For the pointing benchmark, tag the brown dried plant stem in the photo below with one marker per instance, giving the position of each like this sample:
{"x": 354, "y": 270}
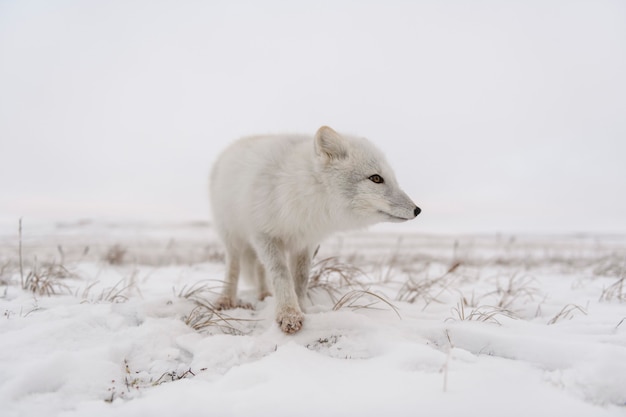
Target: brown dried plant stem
{"x": 20, "y": 254}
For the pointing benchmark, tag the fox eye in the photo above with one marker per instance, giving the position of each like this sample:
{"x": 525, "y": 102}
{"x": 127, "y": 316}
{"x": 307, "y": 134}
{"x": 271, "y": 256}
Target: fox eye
{"x": 377, "y": 179}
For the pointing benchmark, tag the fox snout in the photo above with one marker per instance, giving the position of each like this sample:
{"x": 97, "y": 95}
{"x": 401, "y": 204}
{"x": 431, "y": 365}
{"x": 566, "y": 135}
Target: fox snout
{"x": 400, "y": 207}
{"x": 401, "y": 214}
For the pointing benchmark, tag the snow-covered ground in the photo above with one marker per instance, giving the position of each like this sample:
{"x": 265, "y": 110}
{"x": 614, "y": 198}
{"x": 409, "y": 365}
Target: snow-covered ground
{"x": 120, "y": 324}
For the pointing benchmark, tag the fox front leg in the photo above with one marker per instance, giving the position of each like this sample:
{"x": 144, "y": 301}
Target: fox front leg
{"x": 301, "y": 268}
{"x": 271, "y": 253}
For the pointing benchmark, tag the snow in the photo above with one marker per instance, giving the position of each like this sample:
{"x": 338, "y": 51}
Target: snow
{"x": 542, "y": 330}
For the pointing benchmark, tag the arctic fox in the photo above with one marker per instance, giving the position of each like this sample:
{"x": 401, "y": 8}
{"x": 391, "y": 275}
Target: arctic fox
{"x": 274, "y": 198}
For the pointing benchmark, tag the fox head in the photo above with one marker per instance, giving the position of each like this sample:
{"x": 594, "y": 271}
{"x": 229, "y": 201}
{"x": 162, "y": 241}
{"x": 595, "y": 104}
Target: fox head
{"x": 359, "y": 179}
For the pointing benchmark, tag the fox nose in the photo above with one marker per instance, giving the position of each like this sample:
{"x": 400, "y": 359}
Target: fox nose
{"x": 417, "y": 211}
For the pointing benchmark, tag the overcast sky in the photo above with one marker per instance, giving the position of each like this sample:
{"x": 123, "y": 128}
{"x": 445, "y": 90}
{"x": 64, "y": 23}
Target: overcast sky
{"x": 497, "y": 116}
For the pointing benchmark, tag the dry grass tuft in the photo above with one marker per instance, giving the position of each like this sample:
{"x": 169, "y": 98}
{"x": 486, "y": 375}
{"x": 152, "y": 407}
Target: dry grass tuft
{"x": 205, "y": 316}
{"x": 6, "y": 272}
{"x": 611, "y": 265}
{"x": 331, "y": 275}
{"x": 214, "y": 254}
{"x": 173, "y": 376}
{"x": 517, "y": 288}
{"x": 616, "y": 291}
{"x": 115, "y": 255}
{"x": 486, "y": 314}
{"x": 116, "y": 294}
{"x": 20, "y": 254}
{"x": 359, "y": 299}
{"x": 412, "y": 290}
{"x": 567, "y": 313}
{"x": 197, "y": 292}
{"x": 134, "y": 381}
{"x": 45, "y": 279}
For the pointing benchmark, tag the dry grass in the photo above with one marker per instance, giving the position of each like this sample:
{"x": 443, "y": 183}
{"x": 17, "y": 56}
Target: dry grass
{"x": 20, "y": 254}
{"x": 46, "y": 279}
{"x": 615, "y": 291}
{"x": 446, "y": 365}
{"x": 516, "y": 289}
{"x": 156, "y": 254}
{"x": 118, "y": 293}
{"x": 115, "y": 294}
{"x": 334, "y": 277}
{"x": 134, "y": 381}
{"x": 427, "y": 290}
{"x": 115, "y": 255}
{"x": 198, "y": 291}
{"x": 214, "y": 254}
{"x": 360, "y": 299}
{"x": 613, "y": 265}
{"x": 567, "y": 313}
{"x": 173, "y": 376}
{"x": 331, "y": 275}
{"x": 485, "y": 313}
{"x": 6, "y": 272}
{"x": 206, "y": 316}
{"x": 403, "y": 265}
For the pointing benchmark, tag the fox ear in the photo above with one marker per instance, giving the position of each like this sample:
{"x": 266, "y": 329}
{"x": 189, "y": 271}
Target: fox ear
{"x": 329, "y": 144}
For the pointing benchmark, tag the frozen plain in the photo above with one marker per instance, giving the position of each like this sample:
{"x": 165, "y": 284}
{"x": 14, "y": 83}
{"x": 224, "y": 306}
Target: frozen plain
{"x": 398, "y": 324}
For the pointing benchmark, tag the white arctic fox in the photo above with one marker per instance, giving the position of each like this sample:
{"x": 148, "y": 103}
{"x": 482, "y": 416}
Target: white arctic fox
{"x": 274, "y": 198}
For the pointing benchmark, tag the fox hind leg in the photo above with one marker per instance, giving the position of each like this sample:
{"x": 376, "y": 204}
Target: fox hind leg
{"x": 261, "y": 280}
{"x": 252, "y": 268}
{"x": 228, "y": 298}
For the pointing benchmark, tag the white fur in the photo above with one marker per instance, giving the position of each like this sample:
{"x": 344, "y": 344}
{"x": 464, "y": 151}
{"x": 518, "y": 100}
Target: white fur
{"x": 274, "y": 198}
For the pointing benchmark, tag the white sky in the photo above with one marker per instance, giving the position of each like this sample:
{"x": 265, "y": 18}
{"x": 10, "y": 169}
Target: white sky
{"x": 497, "y": 116}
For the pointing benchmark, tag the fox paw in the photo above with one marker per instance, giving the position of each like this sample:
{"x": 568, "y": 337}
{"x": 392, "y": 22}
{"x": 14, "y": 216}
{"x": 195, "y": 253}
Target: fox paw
{"x": 227, "y": 303}
{"x": 264, "y": 295}
{"x": 290, "y": 319}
